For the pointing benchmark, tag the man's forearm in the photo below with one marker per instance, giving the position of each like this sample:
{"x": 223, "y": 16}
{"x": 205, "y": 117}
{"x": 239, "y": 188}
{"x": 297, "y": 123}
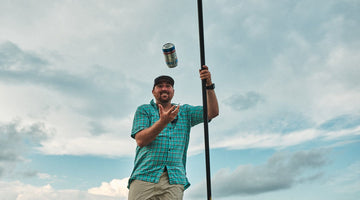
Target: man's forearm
{"x": 146, "y": 136}
{"x": 212, "y": 104}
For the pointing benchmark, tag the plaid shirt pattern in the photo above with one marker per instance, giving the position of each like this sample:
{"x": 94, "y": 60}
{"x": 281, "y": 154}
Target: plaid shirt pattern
{"x": 169, "y": 149}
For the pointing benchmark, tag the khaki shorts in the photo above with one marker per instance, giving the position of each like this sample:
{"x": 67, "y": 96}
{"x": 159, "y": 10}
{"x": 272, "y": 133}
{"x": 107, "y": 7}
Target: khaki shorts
{"x": 142, "y": 190}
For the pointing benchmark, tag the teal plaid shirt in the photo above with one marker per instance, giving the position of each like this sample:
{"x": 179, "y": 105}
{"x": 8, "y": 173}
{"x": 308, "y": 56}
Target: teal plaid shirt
{"x": 169, "y": 149}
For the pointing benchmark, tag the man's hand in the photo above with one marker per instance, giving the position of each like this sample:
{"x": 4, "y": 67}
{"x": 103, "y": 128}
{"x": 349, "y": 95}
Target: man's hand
{"x": 212, "y": 103}
{"x": 205, "y": 74}
{"x": 168, "y": 116}
{"x": 146, "y": 136}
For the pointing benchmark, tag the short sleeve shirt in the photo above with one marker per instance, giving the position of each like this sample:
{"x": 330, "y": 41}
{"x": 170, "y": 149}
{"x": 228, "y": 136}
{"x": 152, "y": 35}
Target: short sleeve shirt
{"x": 169, "y": 149}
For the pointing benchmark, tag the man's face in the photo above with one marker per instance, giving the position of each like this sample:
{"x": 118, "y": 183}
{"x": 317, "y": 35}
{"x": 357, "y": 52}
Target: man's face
{"x": 163, "y": 92}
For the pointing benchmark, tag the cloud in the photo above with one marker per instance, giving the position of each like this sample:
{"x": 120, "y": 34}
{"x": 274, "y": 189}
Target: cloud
{"x": 76, "y": 105}
{"x": 341, "y": 122}
{"x": 115, "y": 188}
{"x": 282, "y": 171}
{"x": 91, "y": 86}
{"x": 16, "y": 140}
{"x": 13, "y": 59}
{"x": 18, "y": 190}
{"x": 278, "y": 140}
{"x": 108, "y": 145}
{"x": 244, "y": 101}
{"x": 302, "y": 70}
{"x": 102, "y": 91}
{"x": 81, "y": 68}
{"x": 278, "y": 121}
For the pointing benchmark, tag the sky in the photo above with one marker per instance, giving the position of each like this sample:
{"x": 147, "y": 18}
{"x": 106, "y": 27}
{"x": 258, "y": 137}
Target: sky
{"x": 287, "y": 77}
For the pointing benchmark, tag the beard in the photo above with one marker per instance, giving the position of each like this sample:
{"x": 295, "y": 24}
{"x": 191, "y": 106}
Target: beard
{"x": 164, "y": 98}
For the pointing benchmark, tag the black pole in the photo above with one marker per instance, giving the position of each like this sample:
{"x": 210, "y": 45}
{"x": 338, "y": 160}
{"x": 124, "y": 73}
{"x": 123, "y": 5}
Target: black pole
{"x": 206, "y": 127}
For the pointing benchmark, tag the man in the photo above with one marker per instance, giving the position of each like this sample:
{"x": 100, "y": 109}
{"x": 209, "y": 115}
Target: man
{"x": 161, "y": 130}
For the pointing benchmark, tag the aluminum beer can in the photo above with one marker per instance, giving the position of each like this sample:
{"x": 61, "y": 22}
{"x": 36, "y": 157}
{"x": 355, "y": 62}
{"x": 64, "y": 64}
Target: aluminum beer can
{"x": 170, "y": 55}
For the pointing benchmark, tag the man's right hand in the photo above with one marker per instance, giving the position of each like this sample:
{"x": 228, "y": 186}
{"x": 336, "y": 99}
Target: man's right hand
{"x": 146, "y": 136}
{"x": 169, "y": 115}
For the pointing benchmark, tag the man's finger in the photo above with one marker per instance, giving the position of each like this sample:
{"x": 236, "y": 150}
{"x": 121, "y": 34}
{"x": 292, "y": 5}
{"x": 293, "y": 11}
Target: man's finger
{"x": 172, "y": 108}
{"x": 176, "y": 110}
{"x": 160, "y": 108}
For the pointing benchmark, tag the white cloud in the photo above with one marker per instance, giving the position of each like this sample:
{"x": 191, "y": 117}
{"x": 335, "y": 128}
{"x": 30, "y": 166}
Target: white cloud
{"x": 103, "y": 145}
{"x": 68, "y": 132}
{"x": 276, "y": 140}
{"x": 115, "y": 188}
{"x": 72, "y": 139}
{"x": 20, "y": 191}
{"x": 44, "y": 176}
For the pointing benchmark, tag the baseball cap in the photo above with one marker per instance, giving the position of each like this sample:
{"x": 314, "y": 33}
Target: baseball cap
{"x": 164, "y": 78}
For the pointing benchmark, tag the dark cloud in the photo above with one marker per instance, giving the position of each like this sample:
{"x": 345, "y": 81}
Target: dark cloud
{"x": 92, "y": 87}
{"x": 281, "y": 171}
{"x": 16, "y": 141}
{"x": 244, "y": 101}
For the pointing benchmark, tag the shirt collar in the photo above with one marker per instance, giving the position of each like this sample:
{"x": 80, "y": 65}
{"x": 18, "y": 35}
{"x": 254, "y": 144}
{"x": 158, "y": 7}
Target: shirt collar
{"x": 152, "y": 102}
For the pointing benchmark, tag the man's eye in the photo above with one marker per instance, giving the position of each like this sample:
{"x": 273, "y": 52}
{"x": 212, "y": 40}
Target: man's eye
{"x": 161, "y": 86}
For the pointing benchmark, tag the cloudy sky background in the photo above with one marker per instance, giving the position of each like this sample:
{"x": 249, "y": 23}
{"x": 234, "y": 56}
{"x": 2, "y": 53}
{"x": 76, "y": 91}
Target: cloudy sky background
{"x": 287, "y": 79}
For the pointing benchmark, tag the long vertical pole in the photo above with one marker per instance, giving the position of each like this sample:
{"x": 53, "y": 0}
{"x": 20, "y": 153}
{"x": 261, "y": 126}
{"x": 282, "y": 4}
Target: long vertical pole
{"x": 206, "y": 127}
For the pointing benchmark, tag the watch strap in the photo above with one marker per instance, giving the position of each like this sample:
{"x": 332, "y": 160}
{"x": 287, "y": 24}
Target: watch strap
{"x": 210, "y": 87}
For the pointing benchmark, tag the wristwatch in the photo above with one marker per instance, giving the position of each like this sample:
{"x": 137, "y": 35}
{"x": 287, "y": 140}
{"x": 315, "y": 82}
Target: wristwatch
{"x": 210, "y": 87}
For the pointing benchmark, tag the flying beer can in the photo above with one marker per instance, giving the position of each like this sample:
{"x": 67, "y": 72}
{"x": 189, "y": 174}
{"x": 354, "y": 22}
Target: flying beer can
{"x": 170, "y": 55}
